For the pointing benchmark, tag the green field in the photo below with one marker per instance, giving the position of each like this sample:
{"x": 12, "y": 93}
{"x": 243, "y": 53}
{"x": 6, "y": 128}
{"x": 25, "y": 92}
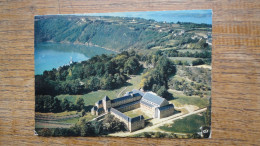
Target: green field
{"x": 190, "y": 124}
{"x": 88, "y": 116}
{"x": 70, "y": 120}
{"x": 191, "y": 50}
{"x": 188, "y": 59}
{"x": 53, "y": 120}
{"x": 181, "y": 99}
{"x": 136, "y": 112}
{"x": 91, "y": 97}
{"x": 94, "y": 96}
{"x": 60, "y": 121}
{"x": 63, "y": 123}
{"x": 61, "y": 114}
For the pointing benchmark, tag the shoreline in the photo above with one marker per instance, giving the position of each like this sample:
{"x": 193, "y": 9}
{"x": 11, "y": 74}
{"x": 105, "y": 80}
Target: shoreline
{"x": 76, "y": 43}
{"x": 88, "y": 44}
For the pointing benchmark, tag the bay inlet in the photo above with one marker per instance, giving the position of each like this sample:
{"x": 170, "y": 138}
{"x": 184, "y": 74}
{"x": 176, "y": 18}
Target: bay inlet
{"x": 49, "y": 55}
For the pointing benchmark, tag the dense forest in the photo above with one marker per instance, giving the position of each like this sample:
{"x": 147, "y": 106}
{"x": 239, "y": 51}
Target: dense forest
{"x": 100, "y": 72}
{"x": 115, "y": 32}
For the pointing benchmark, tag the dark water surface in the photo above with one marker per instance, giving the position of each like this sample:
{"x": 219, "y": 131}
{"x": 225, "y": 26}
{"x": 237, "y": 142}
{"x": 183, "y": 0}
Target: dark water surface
{"x": 49, "y": 55}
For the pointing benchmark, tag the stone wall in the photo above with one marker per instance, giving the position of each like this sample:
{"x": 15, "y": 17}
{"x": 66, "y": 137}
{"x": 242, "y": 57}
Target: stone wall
{"x": 132, "y": 126}
{"x": 147, "y": 109}
{"x": 119, "y": 116}
{"x": 136, "y": 125}
{"x": 166, "y": 113}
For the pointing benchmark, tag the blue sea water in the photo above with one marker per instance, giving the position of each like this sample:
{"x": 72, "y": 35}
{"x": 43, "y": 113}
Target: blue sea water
{"x": 194, "y": 16}
{"x": 49, "y": 55}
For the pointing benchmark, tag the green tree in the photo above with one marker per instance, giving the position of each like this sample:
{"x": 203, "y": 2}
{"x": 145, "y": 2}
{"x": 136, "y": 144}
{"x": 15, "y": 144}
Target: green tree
{"x": 131, "y": 66}
{"x": 65, "y": 105}
{"x": 56, "y": 105}
{"x": 162, "y": 92}
{"x": 83, "y": 112}
{"x": 80, "y": 103}
{"x": 197, "y": 62}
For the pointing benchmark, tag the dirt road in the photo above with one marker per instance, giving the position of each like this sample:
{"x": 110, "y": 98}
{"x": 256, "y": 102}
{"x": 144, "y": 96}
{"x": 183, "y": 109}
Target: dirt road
{"x": 118, "y": 95}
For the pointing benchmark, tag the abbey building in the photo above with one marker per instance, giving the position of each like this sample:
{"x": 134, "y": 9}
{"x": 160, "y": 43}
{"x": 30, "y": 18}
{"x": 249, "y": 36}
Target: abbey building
{"x": 149, "y": 102}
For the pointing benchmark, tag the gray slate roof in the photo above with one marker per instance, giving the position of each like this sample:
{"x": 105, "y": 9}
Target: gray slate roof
{"x": 106, "y": 98}
{"x": 128, "y": 93}
{"x": 147, "y": 104}
{"x": 100, "y": 110}
{"x": 94, "y": 108}
{"x": 128, "y": 104}
{"x": 138, "y": 91}
{"x": 153, "y": 98}
{"x": 166, "y": 107}
{"x": 121, "y": 98}
{"x": 120, "y": 114}
{"x": 99, "y": 102}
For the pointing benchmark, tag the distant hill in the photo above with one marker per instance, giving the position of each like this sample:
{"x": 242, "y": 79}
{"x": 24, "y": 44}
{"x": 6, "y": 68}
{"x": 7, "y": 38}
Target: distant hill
{"x": 118, "y": 33}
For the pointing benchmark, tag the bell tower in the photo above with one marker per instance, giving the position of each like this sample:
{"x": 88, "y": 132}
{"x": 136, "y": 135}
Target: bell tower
{"x": 106, "y": 103}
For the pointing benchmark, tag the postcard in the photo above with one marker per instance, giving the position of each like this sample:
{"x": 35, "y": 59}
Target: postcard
{"x": 126, "y": 74}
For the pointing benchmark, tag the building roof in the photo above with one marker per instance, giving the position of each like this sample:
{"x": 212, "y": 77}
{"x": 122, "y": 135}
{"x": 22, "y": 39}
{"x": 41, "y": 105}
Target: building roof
{"x": 128, "y": 93}
{"x": 152, "y": 97}
{"x": 146, "y": 103}
{"x": 121, "y": 98}
{"x": 136, "y": 94}
{"x": 125, "y": 97}
{"x": 166, "y": 107}
{"x": 138, "y": 91}
{"x": 119, "y": 114}
{"x": 99, "y": 102}
{"x": 127, "y": 104}
{"x": 125, "y": 117}
{"x": 94, "y": 108}
{"x": 100, "y": 110}
{"x": 106, "y": 98}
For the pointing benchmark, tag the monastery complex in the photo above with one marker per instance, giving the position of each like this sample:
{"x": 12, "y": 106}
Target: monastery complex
{"x": 149, "y": 103}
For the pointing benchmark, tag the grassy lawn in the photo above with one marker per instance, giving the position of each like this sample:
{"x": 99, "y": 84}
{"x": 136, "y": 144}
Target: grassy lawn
{"x": 66, "y": 113}
{"x": 191, "y": 50}
{"x": 55, "y": 120}
{"x": 65, "y": 123}
{"x": 181, "y": 99}
{"x": 51, "y": 125}
{"x": 190, "y": 124}
{"x": 94, "y": 96}
{"x": 172, "y": 42}
{"x": 136, "y": 112}
{"x": 70, "y": 120}
{"x": 188, "y": 59}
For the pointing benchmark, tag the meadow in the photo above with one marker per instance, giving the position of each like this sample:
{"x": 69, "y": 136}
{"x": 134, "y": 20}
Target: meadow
{"x": 92, "y": 97}
{"x": 182, "y": 59}
{"x": 181, "y": 99}
{"x": 188, "y": 125}
{"x": 137, "y": 112}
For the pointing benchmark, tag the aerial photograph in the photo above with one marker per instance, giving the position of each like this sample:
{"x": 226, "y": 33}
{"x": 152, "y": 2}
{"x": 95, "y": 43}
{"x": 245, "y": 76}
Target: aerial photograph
{"x": 124, "y": 74}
